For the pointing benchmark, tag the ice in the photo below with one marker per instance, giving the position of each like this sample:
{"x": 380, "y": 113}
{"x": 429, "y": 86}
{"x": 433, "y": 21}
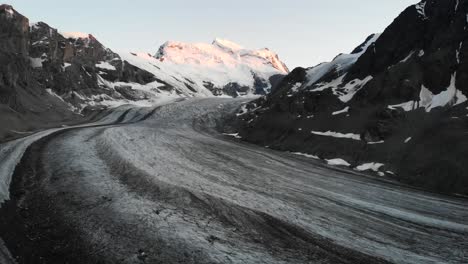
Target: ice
{"x": 11, "y": 152}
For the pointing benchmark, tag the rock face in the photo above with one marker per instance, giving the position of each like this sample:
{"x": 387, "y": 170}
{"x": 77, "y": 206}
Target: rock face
{"x": 49, "y": 77}
{"x": 399, "y": 100}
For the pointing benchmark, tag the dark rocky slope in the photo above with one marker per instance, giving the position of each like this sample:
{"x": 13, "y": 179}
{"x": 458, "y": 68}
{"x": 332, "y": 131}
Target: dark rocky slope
{"x": 49, "y": 78}
{"x": 45, "y": 78}
{"x": 404, "y": 96}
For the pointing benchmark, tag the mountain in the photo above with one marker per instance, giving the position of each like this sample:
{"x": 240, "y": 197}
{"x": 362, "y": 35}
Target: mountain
{"x": 396, "y": 105}
{"x": 50, "y": 77}
{"x": 223, "y": 67}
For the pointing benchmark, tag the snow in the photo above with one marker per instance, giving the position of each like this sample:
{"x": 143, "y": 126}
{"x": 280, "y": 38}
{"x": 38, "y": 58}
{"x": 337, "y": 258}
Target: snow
{"x": 66, "y": 65}
{"x": 351, "y": 88}
{"x": 344, "y": 92}
{"x": 242, "y": 111}
{"x": 450, "y": 97}
{"x": 345, "y": 110}
{"x": 306, "y": 155}
{"x": 408, "y": 140}
{"x": 337, "y": 135}
{"x": 457, "y": 55}
{"x": 10, "y": 12}
{"x": 36, "y": 62}
{"x": 224, "y": 43}
{"x": 235, "y": 135}
{"x": 376, "y": 142}
{"x": 421, "y": 9}
{"x": 421, "y": 53}
{"x": 341, "y": 63}
{"x": 221, "y": 53}
{"x": 75, "y": 35}
{"x": 338, "y": 162}
{"x": 407, "y": 106}
{"x": 407, "y": 57}
{"x": 33, "y": 25}
{"x": 105, "y": 65}
{"x": 294, "y": 89}
{"x": 198, "y": 65}
{"x": 370, "y": 166}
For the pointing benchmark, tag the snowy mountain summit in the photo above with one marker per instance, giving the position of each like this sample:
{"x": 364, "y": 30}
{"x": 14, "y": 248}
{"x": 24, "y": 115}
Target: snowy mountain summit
{"x": 224, "y": 67}
{"x": 221, "y": 53}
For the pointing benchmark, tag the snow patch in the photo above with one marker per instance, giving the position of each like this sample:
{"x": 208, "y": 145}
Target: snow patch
{"x": 408, "y": 140}
{"x": 340, "y": 63}
{"x": 345, "y": 110}
{"x": 421, "y": 9}
{"x": 75, "y": 35}
{"x": 105, "y": 65}
{"x": 337, "y": 135}
{"x": 338, "y": 162}
{"x": 66, "y": 65}
{"x": 450, "y": 97}
{"x": 407, "y": 57}
{"x": 407, "y": 106}
{"x": 370, "y": 166}
{"x": 457, "y": 55}
{"x": 294, "y": 89}
{"x": 36, "y": 62}
{"x": 376, "y": 142}
{"x": 235, "y": 135}
{"x": 344, "y": 92}
{"x": 306, "y": 155}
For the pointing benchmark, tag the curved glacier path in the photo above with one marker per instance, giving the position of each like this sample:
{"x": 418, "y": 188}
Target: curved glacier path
{"x": 161, "y": 185}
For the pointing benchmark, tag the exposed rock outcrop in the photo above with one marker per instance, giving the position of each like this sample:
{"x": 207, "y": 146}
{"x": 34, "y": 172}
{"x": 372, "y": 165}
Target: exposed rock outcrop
{"x": 400, "y": 99}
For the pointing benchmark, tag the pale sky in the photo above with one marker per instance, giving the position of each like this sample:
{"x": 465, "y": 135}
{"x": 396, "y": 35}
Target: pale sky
{"x": 303, "y": 32}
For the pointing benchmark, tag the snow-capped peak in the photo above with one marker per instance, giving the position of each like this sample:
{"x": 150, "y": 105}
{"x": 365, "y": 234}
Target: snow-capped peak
{"x": 8, "y": 9}
{"x": 224, "y": 43}
{"x": 75, "y": 35}
{"x": 221, "y": 53}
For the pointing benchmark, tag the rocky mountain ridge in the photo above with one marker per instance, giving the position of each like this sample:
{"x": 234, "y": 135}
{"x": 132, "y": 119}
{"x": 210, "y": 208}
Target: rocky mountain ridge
{"x": 50, "y": 76}
{"x": 398, "y": 108}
